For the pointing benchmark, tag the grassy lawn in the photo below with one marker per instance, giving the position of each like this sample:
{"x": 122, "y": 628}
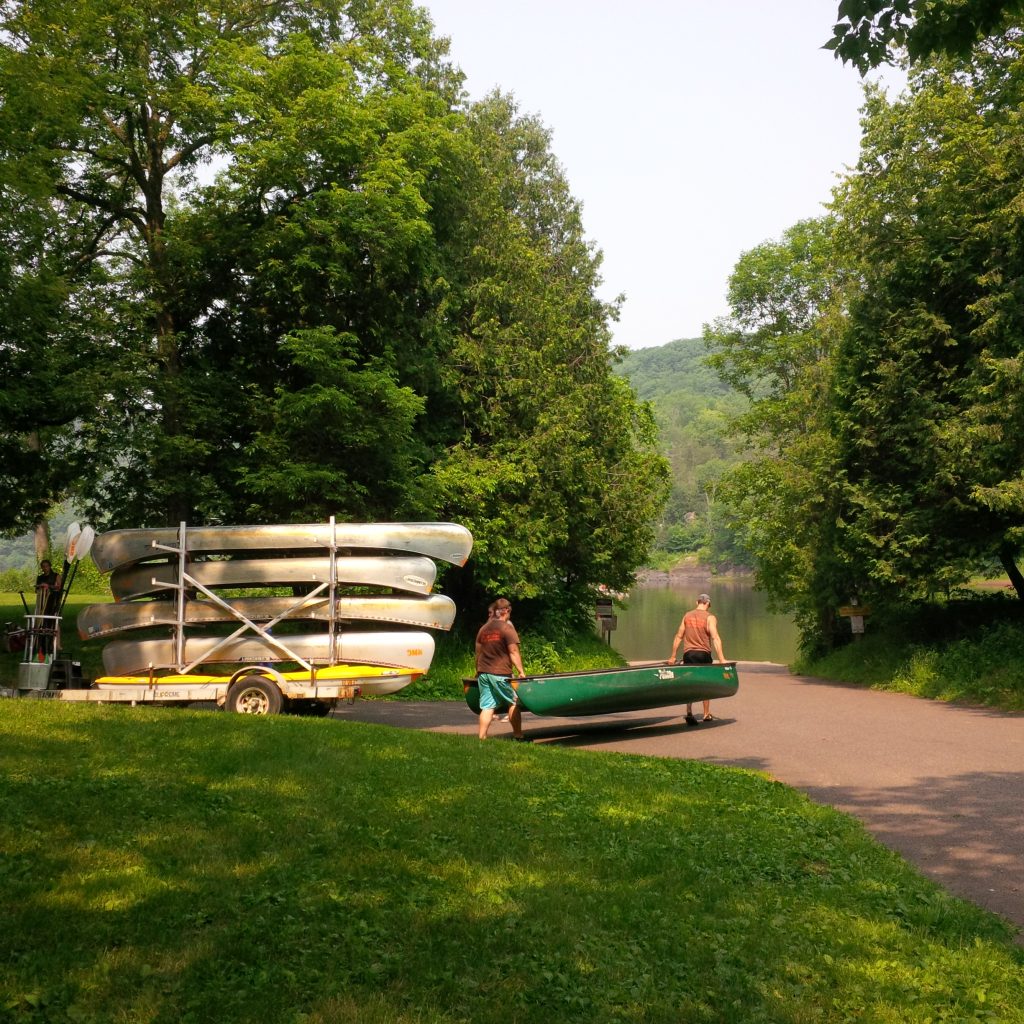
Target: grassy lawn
{"x": 162, "y": 866}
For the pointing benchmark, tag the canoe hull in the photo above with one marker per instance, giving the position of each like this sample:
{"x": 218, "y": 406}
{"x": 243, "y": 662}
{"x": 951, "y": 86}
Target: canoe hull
{"x": 617, "y": 690}
{"x": 446, "y": 541}
{"x": 412, "y": 650}
{"x": 410, "y": 573}
{"x": 433, "y": 612}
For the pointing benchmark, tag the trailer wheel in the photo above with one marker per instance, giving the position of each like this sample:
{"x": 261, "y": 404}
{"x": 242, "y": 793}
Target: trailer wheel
{"x": 254, "y": 695}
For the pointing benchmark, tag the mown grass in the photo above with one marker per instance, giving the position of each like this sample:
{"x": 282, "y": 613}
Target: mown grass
{"x": 165, "y": 865}
{"x": 968, "y": 651}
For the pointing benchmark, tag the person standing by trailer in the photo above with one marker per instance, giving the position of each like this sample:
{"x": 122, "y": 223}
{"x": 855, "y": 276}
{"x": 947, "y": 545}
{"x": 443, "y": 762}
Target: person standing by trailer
{"x": 48, "y": 584}
{"x": 698, "y": 633}
{"x": 497, "y": 656}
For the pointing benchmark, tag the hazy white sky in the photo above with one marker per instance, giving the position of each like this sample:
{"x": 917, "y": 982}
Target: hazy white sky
{"x": 690, "y": 130}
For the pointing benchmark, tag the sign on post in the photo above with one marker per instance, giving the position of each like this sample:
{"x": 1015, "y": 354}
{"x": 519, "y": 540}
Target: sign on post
{"x": 856, "y": 613}
{"x": 605, "y": 609}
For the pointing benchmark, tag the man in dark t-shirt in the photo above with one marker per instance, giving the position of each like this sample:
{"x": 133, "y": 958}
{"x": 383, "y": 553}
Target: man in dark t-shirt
{"x": 497, "y": 655}
{"x": 48, "y": 584}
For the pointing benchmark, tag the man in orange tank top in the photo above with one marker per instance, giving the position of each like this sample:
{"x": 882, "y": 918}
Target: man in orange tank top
{"x": 698, "y": 633}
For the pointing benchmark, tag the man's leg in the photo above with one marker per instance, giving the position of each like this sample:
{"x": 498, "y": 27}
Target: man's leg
{"x": 485, "y": 722}
{"x": 515, "y": 719}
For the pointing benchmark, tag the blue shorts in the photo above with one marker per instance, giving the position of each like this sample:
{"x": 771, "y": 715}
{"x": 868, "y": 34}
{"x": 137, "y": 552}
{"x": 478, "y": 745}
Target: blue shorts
{"x": 495, "y": 692}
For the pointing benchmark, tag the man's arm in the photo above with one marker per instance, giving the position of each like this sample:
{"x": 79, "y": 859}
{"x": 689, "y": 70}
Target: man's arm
{"x": 716, "y": 640}
{"x": 517, "y": 661}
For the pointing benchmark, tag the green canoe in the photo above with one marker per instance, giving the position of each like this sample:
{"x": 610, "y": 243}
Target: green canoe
{"x": 606, "y": 691}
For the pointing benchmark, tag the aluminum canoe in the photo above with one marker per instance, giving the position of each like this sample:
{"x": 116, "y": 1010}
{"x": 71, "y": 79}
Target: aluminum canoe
{"x": 433, "y": 612}
{"x": 411, "y": 650}
{"x": 402, "y": 572}
{"x": 446, "y": 541}
{"x": 615, "y": 690}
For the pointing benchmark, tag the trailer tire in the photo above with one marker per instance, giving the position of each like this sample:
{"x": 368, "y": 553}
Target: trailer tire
{"x": 254, "y": 695}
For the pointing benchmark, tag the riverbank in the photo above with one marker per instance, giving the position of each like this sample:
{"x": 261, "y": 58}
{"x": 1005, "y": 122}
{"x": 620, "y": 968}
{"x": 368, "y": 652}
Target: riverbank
{"x": 691, "y": 572}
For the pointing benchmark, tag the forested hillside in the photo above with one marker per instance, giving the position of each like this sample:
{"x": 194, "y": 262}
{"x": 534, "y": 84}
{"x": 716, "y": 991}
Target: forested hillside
{"x": 692, "y": 407}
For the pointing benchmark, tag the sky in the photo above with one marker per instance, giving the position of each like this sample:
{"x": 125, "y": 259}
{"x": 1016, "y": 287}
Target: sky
{"x": 691, "y": 131}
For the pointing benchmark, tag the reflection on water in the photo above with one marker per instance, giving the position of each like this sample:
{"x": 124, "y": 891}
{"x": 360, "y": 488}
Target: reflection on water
{"x": 650, "y": 618}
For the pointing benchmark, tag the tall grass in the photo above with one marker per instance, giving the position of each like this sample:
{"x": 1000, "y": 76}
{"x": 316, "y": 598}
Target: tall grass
{"x": 970, "y": 651}
{"x": 167, "y": 866}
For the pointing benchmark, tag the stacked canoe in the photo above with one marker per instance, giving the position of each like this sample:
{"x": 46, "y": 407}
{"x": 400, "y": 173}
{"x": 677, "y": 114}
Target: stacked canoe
{"x": 183, "y": 583}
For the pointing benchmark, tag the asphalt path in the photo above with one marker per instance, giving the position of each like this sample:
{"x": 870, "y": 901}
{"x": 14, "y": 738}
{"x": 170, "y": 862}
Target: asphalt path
{"x": 941, "y": 784}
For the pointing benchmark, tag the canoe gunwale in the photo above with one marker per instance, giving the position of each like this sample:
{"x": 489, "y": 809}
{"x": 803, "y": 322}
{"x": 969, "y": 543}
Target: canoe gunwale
{"x": 450, "y": 542}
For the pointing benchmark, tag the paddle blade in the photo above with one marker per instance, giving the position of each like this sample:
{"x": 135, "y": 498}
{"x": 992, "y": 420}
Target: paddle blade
{"x": 70, "y": 537}
{"x": 83, "y": 542}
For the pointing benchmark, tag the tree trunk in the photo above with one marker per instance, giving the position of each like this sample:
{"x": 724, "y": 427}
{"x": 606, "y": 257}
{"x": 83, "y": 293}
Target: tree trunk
{"x": 1009, "y": 563}
{"x": 42, "y": 540}
{"x": 41, "y": 530}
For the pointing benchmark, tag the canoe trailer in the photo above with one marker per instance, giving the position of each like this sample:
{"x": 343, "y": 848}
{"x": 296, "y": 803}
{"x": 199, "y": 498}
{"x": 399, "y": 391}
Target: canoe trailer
{"x": 260, "y": 689}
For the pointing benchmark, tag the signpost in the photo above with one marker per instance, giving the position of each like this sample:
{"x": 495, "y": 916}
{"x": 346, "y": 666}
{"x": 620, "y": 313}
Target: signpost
{"x": 606, "y": 617}
{"x": 856, "y": 613}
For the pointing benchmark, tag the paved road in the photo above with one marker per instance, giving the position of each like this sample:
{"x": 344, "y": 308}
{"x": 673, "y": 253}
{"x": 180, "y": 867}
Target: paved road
{"x": 942, "y": 785}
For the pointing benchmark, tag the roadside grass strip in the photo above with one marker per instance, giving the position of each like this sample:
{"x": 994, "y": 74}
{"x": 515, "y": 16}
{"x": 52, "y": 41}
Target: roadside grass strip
{"x": 163, "y": 865}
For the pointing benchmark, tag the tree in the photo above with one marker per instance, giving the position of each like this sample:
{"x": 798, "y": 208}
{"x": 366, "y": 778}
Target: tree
{"x": 382, "y": 306}
{"x": 928, "y": 375}
{"x": 49, "y": 319}
{"x": 555, "y": 464}
{"x": 869, "y": 32}
{"x": 786, "y": 300}
{"x": 111, "y": 108}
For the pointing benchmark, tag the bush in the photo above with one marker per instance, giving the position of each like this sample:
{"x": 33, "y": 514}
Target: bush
{"x": 968, "y": 649}
{"x": 13, "y": 580}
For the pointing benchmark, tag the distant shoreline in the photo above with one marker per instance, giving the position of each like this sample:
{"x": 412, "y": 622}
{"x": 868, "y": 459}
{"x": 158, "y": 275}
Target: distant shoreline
{"x": 690, "y": 573}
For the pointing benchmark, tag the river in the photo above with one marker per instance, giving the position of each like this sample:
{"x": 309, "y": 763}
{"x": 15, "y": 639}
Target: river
{"x": 650, "y": 618}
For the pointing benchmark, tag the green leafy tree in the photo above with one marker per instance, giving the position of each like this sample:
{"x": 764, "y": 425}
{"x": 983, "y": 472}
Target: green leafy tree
{"x": 111, "y": 108}
{"x": 555, "y": 464}
{"x": 868, "y": 33}
{"x": 786, "y": 300}
{"x": 928, "y": 376}
{"x": 383, "y": 305}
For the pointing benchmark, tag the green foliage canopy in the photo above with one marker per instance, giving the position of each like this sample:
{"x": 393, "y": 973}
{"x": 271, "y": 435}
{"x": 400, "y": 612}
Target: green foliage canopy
{"x": 381, "y": 306}
{"x": 929, "y": 376}
{"x": 870, "y": 32}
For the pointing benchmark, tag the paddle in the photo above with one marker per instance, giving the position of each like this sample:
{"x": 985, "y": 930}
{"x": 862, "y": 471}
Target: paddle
{"x": 78, "y": 549}
{"x": 71, "y": 536}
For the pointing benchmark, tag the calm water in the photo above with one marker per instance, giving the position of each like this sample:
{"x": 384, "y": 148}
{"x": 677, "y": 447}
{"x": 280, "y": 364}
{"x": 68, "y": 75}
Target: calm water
{"x": 748, "y": 630}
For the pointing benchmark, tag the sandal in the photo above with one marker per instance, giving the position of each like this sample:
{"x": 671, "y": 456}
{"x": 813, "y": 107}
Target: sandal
{"x": 708, "y": 718}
